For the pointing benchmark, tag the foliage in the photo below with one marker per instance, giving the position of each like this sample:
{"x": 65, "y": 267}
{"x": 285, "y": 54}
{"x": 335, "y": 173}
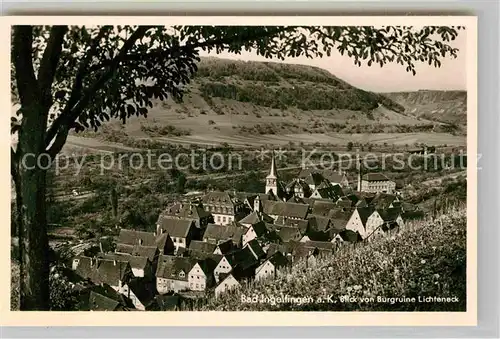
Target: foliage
{"x": 427, "y": 259}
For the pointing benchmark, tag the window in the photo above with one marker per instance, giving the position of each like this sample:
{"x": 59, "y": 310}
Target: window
{"x": 224, "y": 219}
{"x": 197, "y": 285}
{"x": 182, "y": 274}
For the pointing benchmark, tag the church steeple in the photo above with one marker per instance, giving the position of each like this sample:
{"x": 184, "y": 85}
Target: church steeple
{"x": 272, "y": 178}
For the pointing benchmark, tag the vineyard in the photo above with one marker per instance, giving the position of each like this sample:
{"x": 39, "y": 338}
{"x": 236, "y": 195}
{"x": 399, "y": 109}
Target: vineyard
{"x": 426, "y": 259}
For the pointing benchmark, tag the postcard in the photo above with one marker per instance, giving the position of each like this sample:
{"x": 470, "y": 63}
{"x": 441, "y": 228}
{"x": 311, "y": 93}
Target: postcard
{"x": 314, "y": 171}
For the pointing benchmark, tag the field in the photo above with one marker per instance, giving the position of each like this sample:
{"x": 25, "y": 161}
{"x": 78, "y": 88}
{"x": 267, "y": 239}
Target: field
{"x": 425, "y": 259}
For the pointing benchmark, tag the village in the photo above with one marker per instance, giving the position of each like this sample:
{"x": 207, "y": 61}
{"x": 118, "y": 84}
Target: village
{"x": 208, "y": 245}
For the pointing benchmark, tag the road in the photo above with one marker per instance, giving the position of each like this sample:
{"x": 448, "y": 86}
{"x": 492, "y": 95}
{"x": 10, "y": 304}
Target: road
{"x": 437, "y": 181}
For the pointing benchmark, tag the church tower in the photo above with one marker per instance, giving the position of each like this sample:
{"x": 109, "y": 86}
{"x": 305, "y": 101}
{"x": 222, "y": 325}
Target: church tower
{"x": 272, "y": 179}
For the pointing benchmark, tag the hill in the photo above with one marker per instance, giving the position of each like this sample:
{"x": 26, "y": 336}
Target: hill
{"x": 234, "y": 101}
{"x": 427, "y": 259}
{"x": 444, "y": 106}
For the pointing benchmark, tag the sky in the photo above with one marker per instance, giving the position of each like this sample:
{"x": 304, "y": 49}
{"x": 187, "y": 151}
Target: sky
{"x": 390, "y": 78}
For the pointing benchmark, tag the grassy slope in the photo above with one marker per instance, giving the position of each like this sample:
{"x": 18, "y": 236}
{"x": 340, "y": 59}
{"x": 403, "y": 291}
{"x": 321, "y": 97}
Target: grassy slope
{"x": 445, "y": 106}
{"x": 426, "y": 260}
{"x": 235, "y": 100}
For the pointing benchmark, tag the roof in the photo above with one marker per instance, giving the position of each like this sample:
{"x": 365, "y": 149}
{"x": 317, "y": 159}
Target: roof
{"x": 286, "y": 209}
{"x": 302, "y": 225}
{"x": 137, "y": 250}
{"x": 288, "y": 233}
{"x": 278, "y": 260}
{"x": 137, "y": 262}
{"x": 224, "y": 232}
{"x": 324, "y": 245}
{"x": 389, "y": 214}
{"x": 218, "y": 198}
{"x": 132, "y": 237}
{"x": 143, "y": 289}
{"x": 255, "y": 217}
{"x": 208, "y": 265}
{"x": 202, "y": 246}
{"x": 364, "y": 213}
{"x": 259, "y": 228}
{"x": 383, "y": 200}
{"x": 412, "y": 215}
{"x": 256, "y": 248}
{"x": 319, "y": 223}
{"x": 225, "y": 247}
{"x": 178, "y": 228}
{"x": 375, "y": 177}
{"x": 169, "y": 267}
{"x": 322, "y": 208}
{"x": 243, "y": 259}
{"x": 102, "y": 298}
{"x": 102, "y": 271}
{"x": 187, "y": 210}
{"x": 99, "y": 302}
{"x": 333, "y": 177}
{"x": 161, "y": 240}
{"x": 198, "y": 255}
{"x": 350, "y": 236}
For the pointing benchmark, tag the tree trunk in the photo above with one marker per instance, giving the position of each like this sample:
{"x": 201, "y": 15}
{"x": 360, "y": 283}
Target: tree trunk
{"x": 33, "y": 239}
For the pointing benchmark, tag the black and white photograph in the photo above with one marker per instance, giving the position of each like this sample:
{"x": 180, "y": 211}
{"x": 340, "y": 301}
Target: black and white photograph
{"x": 230, "y": 167}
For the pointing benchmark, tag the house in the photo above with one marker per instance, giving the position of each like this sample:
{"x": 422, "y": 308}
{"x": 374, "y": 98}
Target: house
{"x": 270, "y": 267}
{"x": 255, "y": 231}
{"x": 103, "y": 271}
{"x": 228, "y": 283}
{"x": 311, "y": 177}
{"x": 217, "y": 234}
{"x": 224, "y": 206}
{"x": 131, "y": 237}
{"x": 302, "y": 225}
{"x": 172, "y": 273}
{"x": 358, "y": 220}
{"x": 256, "y": 249}
{"x": 255, "y": 201}
{"x": 298, "y": 188}
{"x": 255, "y": 217}
{"x": 287, "y": 234}
{"x": 141, "y": 292}
{"x": 322, "y": 207}
{"x": 320, "y": 228}
{"x": 373, "y": 222}
{"x": 191, "y": 210}
{"x": 201, "y": 275}
{"x": 322, "y": 247}
{"x": 377, "y": 182}
{"x": 383, "y": 201}
{"x": 240, "y": 262}
{"x": 327, "y": 191}
{"x": 182, "y": 231}
{"x": 141, "y": 266}
{"x": 102, "y": 298}
{"x": 336, "y": 178}
{"x": 224, "y": 247}
{"x": 201, "y": 246}
{"x": 165, "y": 244}
{"x": 289, "y": 210}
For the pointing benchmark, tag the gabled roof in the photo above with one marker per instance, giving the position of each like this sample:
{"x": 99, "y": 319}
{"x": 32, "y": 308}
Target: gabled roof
{"x": 198, "y": 255}
{"x": 243, "y": 259}
{"x": 256, "y": 248}
{"x": 178, "y": 228}
{"x": 333, "y": 177}
{"x": 319, "y": 223}
{"x": 162, "y": 239}
{"x": 142, "y": 251}
{"x": 259, "y": 228}
{"x": 103, "y": 271}
{"x": 364, "y": 213}
{"x": 288, "y": 233}
{"x": 202, "y": 246}
{"x": 143, "y": 289}
{"x": 102, "y": 298}
{"x": 322, "y": 208}
{"x": 278, "y": 260}
{"x": 219, "y": 198}
{"x": 383, "y": 200}
{"x": 136, "y": 262}
{"x": 187, "y": 210}
{"x": 375, "y": 177}
{"x": 224, "y": 232}
{"x": 255, "y": 217}
{"x": 322, "y": 245}
{"x": 286, "y": 209}
{"x": 302, "y": 225}
{"x": 226, "y": 246}
{"x": 389, "y": 214}
{"x": 170, "y": 267}
{"x": 132, "y": 237}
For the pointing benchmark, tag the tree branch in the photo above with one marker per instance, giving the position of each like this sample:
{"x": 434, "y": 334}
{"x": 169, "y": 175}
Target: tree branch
{"x": 71, "y": 113}
{"x": 49, "y": 62}
{"x": 76, "y": 91}
{"x": 22, "y": 55}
